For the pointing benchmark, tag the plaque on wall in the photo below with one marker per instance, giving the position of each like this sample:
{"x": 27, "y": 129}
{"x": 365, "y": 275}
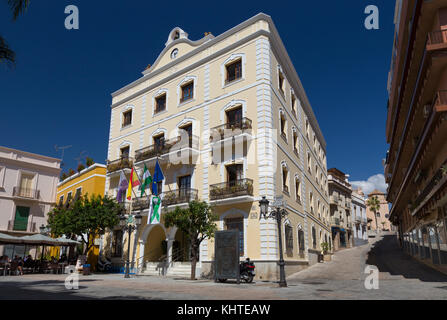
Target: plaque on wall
{"x": 226, "y": 255}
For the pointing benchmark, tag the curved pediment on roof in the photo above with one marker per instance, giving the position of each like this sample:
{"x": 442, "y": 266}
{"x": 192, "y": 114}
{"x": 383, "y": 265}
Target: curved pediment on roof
{"x": 177, "y": 45}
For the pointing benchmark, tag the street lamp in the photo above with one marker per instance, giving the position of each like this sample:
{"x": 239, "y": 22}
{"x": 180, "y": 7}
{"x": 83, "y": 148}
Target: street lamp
{"x": 129, "y": 225}
{"x": 279, "y": 213}
{"x": 44, "y": 229}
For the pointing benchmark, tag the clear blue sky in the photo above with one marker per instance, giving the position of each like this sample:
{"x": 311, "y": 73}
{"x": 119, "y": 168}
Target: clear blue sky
{"x": 59, "y": 91}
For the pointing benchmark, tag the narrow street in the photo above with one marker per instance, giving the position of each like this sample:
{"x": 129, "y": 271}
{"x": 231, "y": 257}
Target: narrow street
{"x": 400, "y": 277}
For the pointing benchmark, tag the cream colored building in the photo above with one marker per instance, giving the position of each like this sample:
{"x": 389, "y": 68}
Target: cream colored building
{"x": 248, "y": 131}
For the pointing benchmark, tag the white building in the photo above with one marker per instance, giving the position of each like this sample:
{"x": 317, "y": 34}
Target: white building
{"x": 28, "y": 184}
{"x": 359, "y": 217}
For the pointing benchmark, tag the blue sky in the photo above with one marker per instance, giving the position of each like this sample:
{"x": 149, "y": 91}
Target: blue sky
{"x": 59, "y": 91}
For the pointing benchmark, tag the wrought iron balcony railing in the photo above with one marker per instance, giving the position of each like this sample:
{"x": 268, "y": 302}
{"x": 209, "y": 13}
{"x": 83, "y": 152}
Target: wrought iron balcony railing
{"x": 166, "y": 146}
{"x": 168, "y": 198}
{"x": 231, "y": 129}
{"x": 17, "y": 225}
{"x": 179, "y": 196}
{"x": 231, "y": 189}
{"x": 25, "y": 193}
{"x": 121, "y": 163}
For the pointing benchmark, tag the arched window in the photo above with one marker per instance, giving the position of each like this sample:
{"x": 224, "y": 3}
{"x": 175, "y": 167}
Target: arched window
{"x": 301, "y": 243}
{"x": 314, "y": 238}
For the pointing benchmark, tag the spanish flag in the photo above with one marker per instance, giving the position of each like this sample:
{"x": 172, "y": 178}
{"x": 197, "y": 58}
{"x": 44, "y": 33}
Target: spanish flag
{"x": 133, "y": 182}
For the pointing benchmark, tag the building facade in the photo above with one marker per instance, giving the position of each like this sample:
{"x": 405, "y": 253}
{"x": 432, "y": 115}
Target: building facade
{"x": 340, "y": 191}
{"x": 230, "y": 122}
{"x": 359, "y": 217}
{"x": 381, "y": 221}
{"x": 90, "y": 181}
{"x": 27, "y": 193}
{"x": 415, "y": 167}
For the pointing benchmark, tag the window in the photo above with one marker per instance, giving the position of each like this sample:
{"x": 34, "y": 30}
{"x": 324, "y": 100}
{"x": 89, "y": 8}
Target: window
{"x": 283, "y": 125}
{"x": 314, "y": 238}
{"x": 316, "y": 174}
{"x": 288, "y": 231}
{"x": 117, "y": 243}
{"x": 234, "y": 71}
{"x": 160, "y": 103}
{"x": 77, "y": 194}
{"x": 127, "y": 118}
{"x": 26, "y": 183}
{"x": 125, "y": 152}
{"x": 298, "y": 190}
{"x": 281, "y": 81}
{"x": 309, "y": 162}
{"x": 301, "y": 244}
{"x": 295, "y": 142}
{"x": 237, "y": 224}
{"x": 69, "y": 197}
{"x": 188, "y": 129}
{"x": 61, "y": 200}
{"x": 311, "y": 202}
{"x": 293, "y": 103}
{"x": 187, "y": 91}
{"x": 285, "y": 174}
{"x": 307, "y": 130}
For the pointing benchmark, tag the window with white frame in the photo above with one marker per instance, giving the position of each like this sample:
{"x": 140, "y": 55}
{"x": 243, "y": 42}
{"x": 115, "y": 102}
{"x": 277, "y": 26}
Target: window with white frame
{"x": 127, "y": 118}
{"x": 285, "y": 178}
{"x": 187, "y": 91}
{"x": 281, "y": 82}
{"x": 298, "y": 189}
{"x": 233, "y": 71}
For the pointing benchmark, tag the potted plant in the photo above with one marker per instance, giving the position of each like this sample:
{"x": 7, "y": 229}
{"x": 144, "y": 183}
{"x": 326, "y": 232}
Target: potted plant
{"x": 80, "y": 167}
{"x": 325, "y": 251}
{"x": 89, "y": 161}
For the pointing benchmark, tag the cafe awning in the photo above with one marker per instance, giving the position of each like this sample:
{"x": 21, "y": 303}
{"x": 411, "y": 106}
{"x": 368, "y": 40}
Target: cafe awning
{"x": 7, "y": 239}
{"x": 36, "y": 240}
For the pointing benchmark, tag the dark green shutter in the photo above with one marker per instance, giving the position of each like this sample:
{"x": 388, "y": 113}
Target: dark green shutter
{"x": 21, "y": 219}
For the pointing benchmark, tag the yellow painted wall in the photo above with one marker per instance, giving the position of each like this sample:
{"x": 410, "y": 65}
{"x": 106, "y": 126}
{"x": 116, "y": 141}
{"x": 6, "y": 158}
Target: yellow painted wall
{"x": 92, "y": 182}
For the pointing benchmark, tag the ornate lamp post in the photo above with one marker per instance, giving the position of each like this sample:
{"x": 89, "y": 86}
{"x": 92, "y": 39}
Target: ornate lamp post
{"x": 129, "y": 225}
{"x": 277, "y": 212}
{"x": 44, "y": 230}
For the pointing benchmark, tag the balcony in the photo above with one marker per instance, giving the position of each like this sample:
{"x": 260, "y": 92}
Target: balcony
{"x": 438, "y": 180}
{"x": 437, "y": 40}
{"x": 175, "y": 149}
{"x": 335, "y": 221}
{"x": 169, "y": 198}
{"x": 231, "y": 129}
{"x": 119, "y": 164}
{"x": 231, "y": 189}
{"x": 333, "y": 200}
{"x": 22, "y": 226}
{"x": 25, "y": 193}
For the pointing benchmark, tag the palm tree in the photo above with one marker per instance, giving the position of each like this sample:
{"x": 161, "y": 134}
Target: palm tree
{"x": 17, "y": 8}
{"x": 374, "y": 205}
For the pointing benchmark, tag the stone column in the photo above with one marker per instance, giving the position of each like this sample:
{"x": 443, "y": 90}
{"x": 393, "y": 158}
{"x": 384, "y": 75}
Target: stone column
{"x": 169, "y": 251}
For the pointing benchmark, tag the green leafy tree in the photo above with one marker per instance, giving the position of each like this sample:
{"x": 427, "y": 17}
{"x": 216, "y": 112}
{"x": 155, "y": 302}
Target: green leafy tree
{"x": 373, "y": 204}
{"x": 197, "y": 222}
{"x": 87, "y": 217}
{"x": 17, "y": 8}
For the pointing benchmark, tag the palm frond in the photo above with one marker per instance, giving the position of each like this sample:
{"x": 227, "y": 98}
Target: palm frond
{"x": 18, "y": 7}
{"x": 6, "y": 54}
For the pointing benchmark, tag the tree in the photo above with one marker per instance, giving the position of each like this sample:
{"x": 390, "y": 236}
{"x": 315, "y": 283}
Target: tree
{"x": 87, "y": 217}
{"x": 17, "y": 7}
{"x": 197, "y": 222}
{"x": 374, "y": 205}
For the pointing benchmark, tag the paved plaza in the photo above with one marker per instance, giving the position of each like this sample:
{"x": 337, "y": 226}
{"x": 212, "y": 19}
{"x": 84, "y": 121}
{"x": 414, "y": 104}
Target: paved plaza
{"x": 400, "y": 277}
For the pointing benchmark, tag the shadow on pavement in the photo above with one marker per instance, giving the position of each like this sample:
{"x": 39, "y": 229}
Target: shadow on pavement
{"x": 387, "y": 255}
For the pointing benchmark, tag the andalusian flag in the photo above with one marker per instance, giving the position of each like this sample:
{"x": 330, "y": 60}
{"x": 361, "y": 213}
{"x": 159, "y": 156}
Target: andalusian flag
{"x": 147, "y": 180}
{"x": 133, "y": 182}
{"x": 155, "y": 210}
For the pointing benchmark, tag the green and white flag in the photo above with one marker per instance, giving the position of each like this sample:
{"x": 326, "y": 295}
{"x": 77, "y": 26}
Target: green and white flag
{"x": 147, "y": 180}
{"x": 155, "y": 210}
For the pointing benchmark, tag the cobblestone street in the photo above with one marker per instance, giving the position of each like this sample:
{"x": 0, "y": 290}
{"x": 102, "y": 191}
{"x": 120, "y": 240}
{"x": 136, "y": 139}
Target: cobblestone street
{"x": 401, "y": 277}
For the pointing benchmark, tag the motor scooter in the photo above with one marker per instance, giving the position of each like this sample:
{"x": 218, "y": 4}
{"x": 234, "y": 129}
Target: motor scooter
{"x": 104, "y": 265}
{"x": 246, "y": 271}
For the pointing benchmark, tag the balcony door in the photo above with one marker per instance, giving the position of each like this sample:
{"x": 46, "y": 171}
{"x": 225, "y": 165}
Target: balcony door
{"x": 188, "y": 129}
{"x": 26, "y": 184}
{"x": 21, "y": 218}
{"x": 234, "y": 116}
{"x": 235, "y": 173}
{"x": 159, "y": 142}
{"x": 184, "y": 185}
{"x": 125, "y": 152}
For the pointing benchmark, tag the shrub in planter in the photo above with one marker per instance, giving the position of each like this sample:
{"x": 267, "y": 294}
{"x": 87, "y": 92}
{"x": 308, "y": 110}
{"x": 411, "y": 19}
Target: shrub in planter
{"x": 81, "y": 167}
{"x": 71, "y": 172}
{"x": 89, "y": 161}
